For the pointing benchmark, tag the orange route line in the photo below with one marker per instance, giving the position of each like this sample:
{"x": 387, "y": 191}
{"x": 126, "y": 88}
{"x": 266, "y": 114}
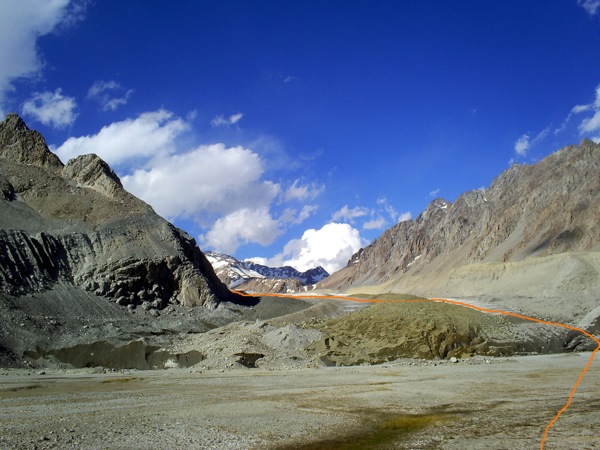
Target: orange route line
{"x": 545, "y": 322}
{"x": 478, "y": 308}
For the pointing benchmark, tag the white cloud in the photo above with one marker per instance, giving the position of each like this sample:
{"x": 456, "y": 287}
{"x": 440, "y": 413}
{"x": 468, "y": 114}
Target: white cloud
{"x": 21, "y": 24}
{"x": 302, "y": 192}
{"x": 580, "y": 108}
{"x": 591, "y": 6}
{"x": 330, "y": 247}
{"x": 375, "y": 218}
{"x": 151, "y": 134}
{"x": 222, "y": 189}
{"x": 577, "y": 109}
{"x": 109, "y": 94}
{"x": 51, "y": 108}
{"x": 204, "y": 182}
{"x": 384, "y": 206}
{"x": 405, "y": 216}
{"x": 349, "y": 214}
{"x": 306, "y": 212}
{"x": 220, "y": 120}
{"x": 522, "y": 145}
{"x": 434, "y": 193}
{"x": 375, "y": 224}
{"x": 241, "y": 227}
{"x": 292, "y": 216}
{"x": 591, "y": 124}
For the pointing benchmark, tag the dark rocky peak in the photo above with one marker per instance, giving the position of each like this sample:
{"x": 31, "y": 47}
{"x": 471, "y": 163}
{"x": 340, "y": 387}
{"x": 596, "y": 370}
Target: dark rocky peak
{"x": 316, "y": 273}
{"x": 93, "y": 172}
{"x": 22, "y": 145}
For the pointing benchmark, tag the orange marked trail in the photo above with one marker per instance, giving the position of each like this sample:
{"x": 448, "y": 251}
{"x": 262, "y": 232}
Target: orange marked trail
{"x": 544, "y": 322}
{"x": 477, "y": 308}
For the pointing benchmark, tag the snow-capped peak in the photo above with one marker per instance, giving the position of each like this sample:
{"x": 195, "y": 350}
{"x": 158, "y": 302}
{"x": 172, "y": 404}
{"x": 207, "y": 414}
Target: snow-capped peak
{"x": 232, "y": 271}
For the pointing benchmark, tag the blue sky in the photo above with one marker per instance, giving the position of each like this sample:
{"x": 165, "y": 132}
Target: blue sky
{"x": 298, "y": 131}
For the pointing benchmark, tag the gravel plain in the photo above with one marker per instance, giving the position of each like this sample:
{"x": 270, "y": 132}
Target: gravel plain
{"x": 479, "y": 403}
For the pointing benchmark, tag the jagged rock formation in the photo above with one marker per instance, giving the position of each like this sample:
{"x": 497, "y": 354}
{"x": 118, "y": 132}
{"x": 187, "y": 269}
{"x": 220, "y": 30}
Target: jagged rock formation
{"x": 76, "y": 225}
{"x": 253, "y": 277}
{"x": 545, "y": 215}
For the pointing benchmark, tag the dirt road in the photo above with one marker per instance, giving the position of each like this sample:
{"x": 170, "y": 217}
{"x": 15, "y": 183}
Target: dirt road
{"x": 478, "y": 403}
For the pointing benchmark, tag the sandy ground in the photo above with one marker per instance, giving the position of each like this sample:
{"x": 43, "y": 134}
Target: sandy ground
{"x": 480, "y": 403}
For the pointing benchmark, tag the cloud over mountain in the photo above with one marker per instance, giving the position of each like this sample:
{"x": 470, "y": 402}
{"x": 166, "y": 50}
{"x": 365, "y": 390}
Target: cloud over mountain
{"x": 329, "y": 247}
{"x": 221, "y": 189}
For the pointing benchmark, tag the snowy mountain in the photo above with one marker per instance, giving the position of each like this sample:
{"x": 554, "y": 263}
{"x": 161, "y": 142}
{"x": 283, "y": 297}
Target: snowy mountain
{"x": 234, "y": 272}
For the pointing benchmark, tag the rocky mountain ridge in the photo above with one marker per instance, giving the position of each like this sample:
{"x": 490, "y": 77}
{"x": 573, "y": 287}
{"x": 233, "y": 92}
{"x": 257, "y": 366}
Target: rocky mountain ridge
{"x": 543, "y": 210}
{"x": 75, "y": 224}
{"x": 254, "y": 277}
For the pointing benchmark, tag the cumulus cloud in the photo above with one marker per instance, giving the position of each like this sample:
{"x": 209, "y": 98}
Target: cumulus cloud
{"x": 221, "y": 120}
{"x": 151, "y": 134}
{"x": 21, "y": 24}
{"x": 590, "y": 6}
{"x": 330, "y": 247}
{"x": 349, "y": 214}
{"x": 51, "y": 108}
{"x": 221, "y": 189}
{"x": 204, "y": 182}
{"x": 109, "y": 94}
{"x": 241, "y": 227}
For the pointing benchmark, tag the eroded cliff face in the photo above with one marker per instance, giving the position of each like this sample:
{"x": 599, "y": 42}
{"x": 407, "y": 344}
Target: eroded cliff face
{"x": 75, "y": 224}
{"x": 540, "y": 210}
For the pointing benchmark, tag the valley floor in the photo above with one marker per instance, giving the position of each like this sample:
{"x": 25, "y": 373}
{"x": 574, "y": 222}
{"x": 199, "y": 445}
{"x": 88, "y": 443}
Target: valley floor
{"x": 480, "y": 403}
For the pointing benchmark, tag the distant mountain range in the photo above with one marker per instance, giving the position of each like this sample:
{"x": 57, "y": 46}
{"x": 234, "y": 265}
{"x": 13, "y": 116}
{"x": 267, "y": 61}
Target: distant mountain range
{"x": 535, "y": 231}
{"x": 238, "y": 274}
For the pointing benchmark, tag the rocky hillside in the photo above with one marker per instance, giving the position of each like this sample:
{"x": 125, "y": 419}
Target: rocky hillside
{"x": 76, "y": 225}
{"x": 255, "y": 277}
{"x": 273, "y": 286}
{"x": 535, "y": 231}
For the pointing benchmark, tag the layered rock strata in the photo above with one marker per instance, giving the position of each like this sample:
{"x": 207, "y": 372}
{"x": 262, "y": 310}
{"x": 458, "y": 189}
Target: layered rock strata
{"x": 76, "y": 224}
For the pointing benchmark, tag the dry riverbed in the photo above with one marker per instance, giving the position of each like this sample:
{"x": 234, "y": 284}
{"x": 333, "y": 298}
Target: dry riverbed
{"x": 491, "y": 403}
